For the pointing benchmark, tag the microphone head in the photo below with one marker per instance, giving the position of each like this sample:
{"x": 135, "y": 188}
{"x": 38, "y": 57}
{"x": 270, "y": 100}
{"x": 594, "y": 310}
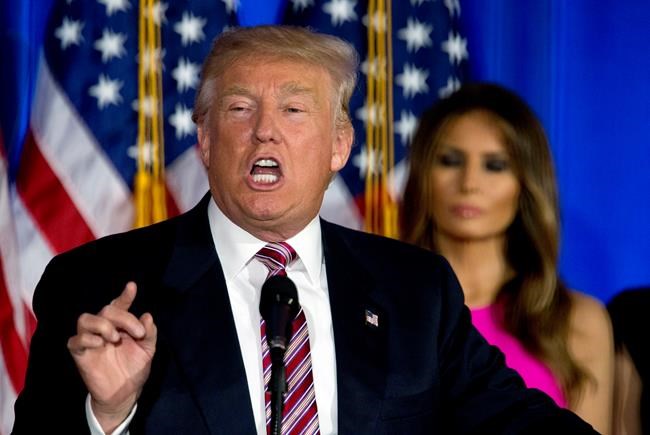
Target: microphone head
{"x": 279, "y": 290}
{"x": 279, "y": 307}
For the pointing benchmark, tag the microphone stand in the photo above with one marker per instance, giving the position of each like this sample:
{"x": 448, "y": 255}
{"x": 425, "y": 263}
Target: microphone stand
{"x": 278, "y": 387}
{"x": 278, "y": 307}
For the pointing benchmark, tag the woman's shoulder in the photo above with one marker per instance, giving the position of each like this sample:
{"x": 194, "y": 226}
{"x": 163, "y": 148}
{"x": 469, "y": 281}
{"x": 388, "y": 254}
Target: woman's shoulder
{"x": 589, "y": 321}
{"x": 591, "y": 344}
{"x": 591, "y": 340}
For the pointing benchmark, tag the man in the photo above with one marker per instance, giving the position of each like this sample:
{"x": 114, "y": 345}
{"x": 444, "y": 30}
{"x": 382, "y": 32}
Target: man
{"x": 162, "y": 324}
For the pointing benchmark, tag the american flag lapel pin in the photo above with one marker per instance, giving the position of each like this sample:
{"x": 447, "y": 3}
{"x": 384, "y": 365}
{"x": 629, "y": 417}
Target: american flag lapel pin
{"x": 372, "y": 319}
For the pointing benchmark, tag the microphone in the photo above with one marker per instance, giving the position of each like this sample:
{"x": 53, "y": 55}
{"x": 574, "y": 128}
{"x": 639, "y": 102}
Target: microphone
{"x": 278, "y": 307}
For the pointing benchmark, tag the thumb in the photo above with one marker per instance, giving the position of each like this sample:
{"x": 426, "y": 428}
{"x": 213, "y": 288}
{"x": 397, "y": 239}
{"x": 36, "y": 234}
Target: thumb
{"x": 150, "y": 337}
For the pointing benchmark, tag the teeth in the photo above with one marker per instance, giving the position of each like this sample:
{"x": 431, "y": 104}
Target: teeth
{"x": 265, "y": 178}
{"x": 266, "y": 163}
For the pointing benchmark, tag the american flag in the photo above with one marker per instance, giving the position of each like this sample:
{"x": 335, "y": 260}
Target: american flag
{"x": 74, "y": 182}
{"x": 75, "y": 178}
{"x": 429, "y": 61}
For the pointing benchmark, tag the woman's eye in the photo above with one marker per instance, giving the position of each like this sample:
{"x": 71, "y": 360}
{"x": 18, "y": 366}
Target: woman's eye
{"x": 497, "y": 165}
{"x": 449, "y": 159}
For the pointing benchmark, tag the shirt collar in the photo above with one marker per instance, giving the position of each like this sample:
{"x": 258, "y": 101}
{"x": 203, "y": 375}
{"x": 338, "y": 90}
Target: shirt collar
{"x": 236, "y": 247}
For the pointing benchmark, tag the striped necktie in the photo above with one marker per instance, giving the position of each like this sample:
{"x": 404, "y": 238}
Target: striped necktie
{"x": 300, "y": 415}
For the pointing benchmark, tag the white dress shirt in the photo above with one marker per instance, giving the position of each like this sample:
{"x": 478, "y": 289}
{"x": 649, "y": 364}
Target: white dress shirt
{"x": 244, "y": 276}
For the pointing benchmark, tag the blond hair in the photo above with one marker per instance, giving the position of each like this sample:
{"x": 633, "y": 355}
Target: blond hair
{"x": 293, "y": 43}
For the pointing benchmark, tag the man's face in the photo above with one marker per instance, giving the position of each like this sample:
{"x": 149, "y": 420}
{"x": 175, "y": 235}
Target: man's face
{"x": 270, "y": 144}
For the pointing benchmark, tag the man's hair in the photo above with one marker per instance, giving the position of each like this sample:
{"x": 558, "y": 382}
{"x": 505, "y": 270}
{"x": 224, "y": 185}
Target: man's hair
{"x": 292, "y": 43}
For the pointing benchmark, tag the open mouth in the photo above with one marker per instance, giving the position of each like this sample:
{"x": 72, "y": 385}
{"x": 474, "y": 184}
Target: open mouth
{"x": 266, "y": 171}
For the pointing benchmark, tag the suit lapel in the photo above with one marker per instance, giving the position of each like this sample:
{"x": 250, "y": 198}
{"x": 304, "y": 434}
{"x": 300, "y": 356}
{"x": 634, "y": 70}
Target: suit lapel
{"x": 361, "y": 346}
{"x": 201, "y": 331}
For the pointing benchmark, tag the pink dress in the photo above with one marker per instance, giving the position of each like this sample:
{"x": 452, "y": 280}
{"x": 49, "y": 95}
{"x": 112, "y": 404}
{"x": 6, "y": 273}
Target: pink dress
{"x": 535, "y": 373}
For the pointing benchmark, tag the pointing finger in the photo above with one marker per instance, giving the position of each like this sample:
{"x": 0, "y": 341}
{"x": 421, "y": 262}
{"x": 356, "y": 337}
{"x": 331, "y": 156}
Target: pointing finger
{"x": 126, "y": 298}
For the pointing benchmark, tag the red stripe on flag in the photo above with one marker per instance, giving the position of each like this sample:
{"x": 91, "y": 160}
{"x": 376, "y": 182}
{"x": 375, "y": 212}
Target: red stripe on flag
{"x": 13, "y": 349}
{"x": 30, "y": 323}
{"x": 45, "y": 197}
{"x": 170, "y": 202}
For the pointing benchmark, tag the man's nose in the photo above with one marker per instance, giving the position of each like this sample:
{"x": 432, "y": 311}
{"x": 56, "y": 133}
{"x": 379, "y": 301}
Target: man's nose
{"x": 266, "y": 129}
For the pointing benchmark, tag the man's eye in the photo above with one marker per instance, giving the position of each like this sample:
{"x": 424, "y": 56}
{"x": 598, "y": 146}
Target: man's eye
{"x": 497, "y": 165}
{"x": 293, "y": 109}
{"x": 449, "y": 159}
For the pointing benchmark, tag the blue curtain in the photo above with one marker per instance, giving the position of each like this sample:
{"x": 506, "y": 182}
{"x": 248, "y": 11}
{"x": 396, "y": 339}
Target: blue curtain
{"x": 585, "y": 69}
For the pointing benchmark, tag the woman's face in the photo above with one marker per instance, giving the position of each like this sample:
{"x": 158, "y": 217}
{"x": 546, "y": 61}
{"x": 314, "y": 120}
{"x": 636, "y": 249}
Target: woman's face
{"x": 475, "y": 190}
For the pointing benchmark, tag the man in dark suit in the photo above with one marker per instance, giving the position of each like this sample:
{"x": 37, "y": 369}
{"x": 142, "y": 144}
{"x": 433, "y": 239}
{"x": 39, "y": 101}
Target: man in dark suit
{"x": 157, "y": 330}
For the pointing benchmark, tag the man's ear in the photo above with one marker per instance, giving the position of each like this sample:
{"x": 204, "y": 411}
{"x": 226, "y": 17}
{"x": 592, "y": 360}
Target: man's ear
{"x": 204, "y": 144}
{"x": 342, "y": 147}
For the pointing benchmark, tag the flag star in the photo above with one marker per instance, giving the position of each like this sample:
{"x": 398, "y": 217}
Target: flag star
{"x": 181, "y": 120}
{"x": 453, "y": 6}
{"x": 372, "y": 68}
{"x": 412, "y": 80}
{"x": 367, "y": 162}
{"x": 370, "y": 115}
{"x": 186, "y": 75}
{"x": 106, "y": 91}
{"x": 231, "y": 5}
{"x": 69, "y": 32}
{"x": 378, "y": 21}
{"x": 113, "y": 6}
{"x": 453, "y": 84}
{"x": 416, "y": 35}
{"x": 190, "y": 28}
{"x": 456, "y": 48}
{"x": 158, "y": 12}
{"x": 152, "y": 59}
{"x": 406, "y": 126}
{"x": 147, "y": 151}
{"x": 418, "y": 2}
{"x": 340, "y": 11}
{"x": 148, "y": 106}
{"x": 299, "y": 5}
{"x": 111, "y": 45}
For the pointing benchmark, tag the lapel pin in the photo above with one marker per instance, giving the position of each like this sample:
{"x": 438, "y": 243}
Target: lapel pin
{"x": 372, "y": 319}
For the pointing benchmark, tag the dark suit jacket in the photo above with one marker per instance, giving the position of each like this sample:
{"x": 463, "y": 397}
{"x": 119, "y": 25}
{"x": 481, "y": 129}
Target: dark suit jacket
{"x": 423, "y": 370}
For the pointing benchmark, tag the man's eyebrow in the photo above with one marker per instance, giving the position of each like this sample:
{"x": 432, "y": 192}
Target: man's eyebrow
{"x": 236, "y": 90}
{"x": 295, "y": 88}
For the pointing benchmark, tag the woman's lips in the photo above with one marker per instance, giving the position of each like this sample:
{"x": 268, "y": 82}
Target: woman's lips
{"x": 466, "y": 211}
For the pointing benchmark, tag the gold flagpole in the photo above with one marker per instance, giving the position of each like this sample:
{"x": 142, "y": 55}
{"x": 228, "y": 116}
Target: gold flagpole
{"x": 149, "y": 183}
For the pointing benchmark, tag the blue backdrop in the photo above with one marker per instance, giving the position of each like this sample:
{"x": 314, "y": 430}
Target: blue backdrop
{"x": 582, "y": 65}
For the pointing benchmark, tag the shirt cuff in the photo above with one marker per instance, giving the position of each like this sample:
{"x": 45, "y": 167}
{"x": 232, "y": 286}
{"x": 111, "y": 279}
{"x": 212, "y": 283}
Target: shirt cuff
{"x": 95, "y": 427}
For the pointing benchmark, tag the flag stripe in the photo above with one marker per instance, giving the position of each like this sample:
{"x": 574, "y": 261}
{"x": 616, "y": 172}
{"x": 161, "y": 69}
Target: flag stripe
{"x": 13, "y": 347}
{"x": 7, "y": 398}
{"x": 48, "y": 201}
{"x": 75, "y": 156}
{"x": 35, "y": 252}
{"x": 187, "y": 179}
{"x": 16, "y": 320}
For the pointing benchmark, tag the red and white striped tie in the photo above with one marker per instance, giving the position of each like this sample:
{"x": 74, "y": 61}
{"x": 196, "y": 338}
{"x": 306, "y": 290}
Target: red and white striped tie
{"x": 300, "y": 415}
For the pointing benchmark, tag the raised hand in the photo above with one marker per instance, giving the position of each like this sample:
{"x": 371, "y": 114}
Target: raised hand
{"x": 113, "y": 351}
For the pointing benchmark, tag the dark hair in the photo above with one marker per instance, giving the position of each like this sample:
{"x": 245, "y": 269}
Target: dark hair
{"x": 536, "y": 303}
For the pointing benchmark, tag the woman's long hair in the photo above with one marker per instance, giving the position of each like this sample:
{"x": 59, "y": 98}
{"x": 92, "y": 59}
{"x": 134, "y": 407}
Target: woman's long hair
{"x": 536, "y": 304}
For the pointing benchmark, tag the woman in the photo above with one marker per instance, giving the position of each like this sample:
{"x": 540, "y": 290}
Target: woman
{"x": 481, "y": 191}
